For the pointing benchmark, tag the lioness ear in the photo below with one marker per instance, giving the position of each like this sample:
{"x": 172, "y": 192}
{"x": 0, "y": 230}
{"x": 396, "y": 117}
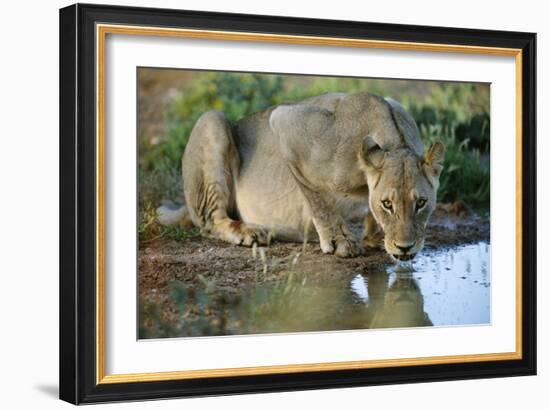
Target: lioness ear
{"x": 371, "y": 156}
{"x": 433, "y": 162}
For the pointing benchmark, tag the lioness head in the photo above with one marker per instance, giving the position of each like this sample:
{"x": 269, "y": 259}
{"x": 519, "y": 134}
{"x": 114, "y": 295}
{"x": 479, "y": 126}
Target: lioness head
{"x": 402, "y": 194}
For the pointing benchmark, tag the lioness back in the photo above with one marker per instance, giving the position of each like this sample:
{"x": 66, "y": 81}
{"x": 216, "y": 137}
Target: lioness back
{"x": 266, "y": 191}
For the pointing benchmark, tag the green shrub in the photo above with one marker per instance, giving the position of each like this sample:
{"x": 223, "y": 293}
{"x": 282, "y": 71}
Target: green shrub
{"x": 465, "y": 176}
{"x": 236, "y": 95}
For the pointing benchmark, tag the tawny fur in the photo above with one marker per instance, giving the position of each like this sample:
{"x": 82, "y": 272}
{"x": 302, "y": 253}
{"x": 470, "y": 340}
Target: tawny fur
{"x": 307, "y": 169}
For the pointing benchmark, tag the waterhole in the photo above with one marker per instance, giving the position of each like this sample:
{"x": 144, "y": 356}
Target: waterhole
{"x": 447, "y": 287}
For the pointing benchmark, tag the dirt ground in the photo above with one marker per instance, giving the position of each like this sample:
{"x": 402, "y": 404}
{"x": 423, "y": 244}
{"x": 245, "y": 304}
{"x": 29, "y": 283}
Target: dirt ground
{"x": 199, "y": 260}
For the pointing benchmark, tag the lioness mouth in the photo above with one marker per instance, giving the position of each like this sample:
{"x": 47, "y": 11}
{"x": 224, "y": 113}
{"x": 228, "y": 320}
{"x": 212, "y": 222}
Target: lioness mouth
{"x": 404, "y": 257}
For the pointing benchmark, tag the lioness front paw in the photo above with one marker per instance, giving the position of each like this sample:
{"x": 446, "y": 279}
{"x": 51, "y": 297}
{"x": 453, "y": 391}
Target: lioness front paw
{"x": 248, "y": 234}
{"x": 342, "y": 246}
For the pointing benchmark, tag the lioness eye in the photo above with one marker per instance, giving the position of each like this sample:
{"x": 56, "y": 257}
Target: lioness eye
{"x": 420, "y": 203}
{"x": 387, "y": 204}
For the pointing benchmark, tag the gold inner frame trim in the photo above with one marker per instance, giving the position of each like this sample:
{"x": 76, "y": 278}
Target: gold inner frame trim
{"x": 101, "y": 33}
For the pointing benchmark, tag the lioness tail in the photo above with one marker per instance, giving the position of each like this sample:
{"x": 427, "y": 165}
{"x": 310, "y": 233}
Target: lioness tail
{"x": 170, "y": 214}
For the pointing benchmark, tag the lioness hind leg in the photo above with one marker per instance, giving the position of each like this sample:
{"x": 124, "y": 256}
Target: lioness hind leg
{"x": 210, "y": 165}
{"x": 373, "y": 236}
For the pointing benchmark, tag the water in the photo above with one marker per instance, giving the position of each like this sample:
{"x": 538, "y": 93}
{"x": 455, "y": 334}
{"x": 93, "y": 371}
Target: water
{"x": 438, "y": 288}
{"x": 449, "y": 287}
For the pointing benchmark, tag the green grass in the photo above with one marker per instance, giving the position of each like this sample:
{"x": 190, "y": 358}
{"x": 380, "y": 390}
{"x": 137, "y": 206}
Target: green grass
{"x": 150, "y": 229}
{"x": 457, "y": 114}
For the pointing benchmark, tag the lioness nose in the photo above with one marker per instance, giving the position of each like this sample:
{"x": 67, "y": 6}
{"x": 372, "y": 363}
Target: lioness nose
{"x": 404, "y": 248}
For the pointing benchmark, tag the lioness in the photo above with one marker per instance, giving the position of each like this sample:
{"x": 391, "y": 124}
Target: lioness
{"x": 305, "y": 169}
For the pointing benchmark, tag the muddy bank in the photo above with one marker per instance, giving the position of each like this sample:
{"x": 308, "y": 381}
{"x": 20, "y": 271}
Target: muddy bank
{"x": 199, "y": 262}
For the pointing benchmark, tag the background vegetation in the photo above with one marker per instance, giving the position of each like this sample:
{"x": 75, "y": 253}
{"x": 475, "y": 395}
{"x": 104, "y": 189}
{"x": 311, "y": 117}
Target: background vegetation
{"x": 171, "y": 101}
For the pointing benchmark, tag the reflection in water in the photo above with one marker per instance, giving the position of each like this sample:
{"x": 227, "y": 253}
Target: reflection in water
{"x": 448, "y": 287}
{"x": 394, "y": 304}
{"x": 400, "y": 304}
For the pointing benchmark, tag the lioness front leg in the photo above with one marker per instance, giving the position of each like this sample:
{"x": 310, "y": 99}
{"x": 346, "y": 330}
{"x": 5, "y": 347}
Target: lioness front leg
{"x": 210, "y": 165}
{"x": 334, "y": 235}
{"x": 373, "y": 235}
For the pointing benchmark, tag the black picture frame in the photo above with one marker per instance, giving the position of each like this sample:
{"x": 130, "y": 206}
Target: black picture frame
{"x": 78, "y": 360}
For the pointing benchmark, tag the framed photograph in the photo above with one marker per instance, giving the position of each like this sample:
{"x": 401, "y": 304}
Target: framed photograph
{"x": 257, "y": 203}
